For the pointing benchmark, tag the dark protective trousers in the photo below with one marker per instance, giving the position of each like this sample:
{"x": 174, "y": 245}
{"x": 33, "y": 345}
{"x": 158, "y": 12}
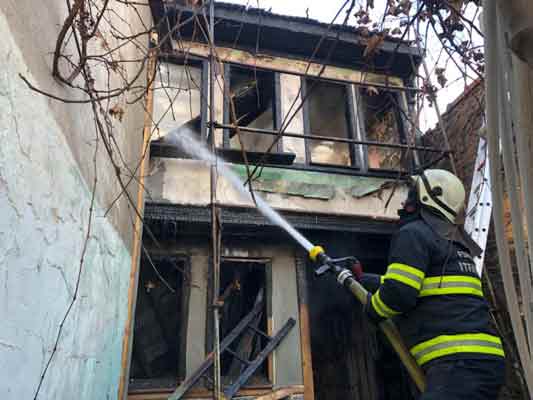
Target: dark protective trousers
{"x": 464, "y": 380}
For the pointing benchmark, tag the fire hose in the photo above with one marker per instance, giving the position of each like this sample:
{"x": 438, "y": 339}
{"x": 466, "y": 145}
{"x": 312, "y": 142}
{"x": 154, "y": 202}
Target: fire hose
{"x": 339, "y": 267}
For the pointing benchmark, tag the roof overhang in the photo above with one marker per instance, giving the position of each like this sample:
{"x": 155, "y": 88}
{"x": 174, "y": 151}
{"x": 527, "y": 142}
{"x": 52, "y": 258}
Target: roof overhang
{"x": 263, "y": 32}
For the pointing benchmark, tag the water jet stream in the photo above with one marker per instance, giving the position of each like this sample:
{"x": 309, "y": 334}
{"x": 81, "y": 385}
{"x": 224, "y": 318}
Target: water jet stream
{"x": 185, "y": 139}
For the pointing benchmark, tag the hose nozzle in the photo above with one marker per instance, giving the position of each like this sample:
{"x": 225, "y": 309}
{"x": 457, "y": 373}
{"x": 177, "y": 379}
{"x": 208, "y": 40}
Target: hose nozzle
{"x": 315, "y": 252}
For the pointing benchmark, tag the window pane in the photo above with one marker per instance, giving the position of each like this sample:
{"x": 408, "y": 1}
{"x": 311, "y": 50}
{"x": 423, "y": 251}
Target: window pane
{"x": 252, "y": 93}
{"x": 327, "y": 117}
{"x": 381, "y": 125}
{"x": 177, "y": 94}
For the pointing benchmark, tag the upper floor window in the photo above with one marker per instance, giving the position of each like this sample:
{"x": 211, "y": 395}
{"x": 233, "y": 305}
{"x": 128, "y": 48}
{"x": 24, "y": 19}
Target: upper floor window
{"x": 382, "y": 123}
{"x": 177, "y": 98}
{"x": 342, "y": 117}
{"x": 327, "y": 115}
{"x": 251, "y": 102}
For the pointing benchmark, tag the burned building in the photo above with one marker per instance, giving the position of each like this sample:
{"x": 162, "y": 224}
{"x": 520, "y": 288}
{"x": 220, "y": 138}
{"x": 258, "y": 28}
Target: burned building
{"x": 335, "y": 174}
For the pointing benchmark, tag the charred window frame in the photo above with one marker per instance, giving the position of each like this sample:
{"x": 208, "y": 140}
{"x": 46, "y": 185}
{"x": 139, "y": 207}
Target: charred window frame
{"x": 351, "y": 159}
{"x": 264, "y": 376}
{"x": 356, "y": 122}
{"x": 383, "y": 119}
{"x": 160, "y": 329}
{"x": 265, "y": 93}
{"x": 192, "y": 83}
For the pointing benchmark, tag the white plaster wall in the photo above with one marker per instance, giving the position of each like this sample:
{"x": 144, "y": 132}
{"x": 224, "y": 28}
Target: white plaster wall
{"x": 33, "y": 27}
{"x": 197, "y": 321}
{"x": 187, "y": 182}
{"x": 287, "y": 358}
{"x": 44, "y": 209}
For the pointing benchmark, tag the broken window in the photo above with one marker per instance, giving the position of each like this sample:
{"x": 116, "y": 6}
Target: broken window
{"x": 328, "y": 115}
{"x": 251, "y": 104}
{"x": 158, "y": 356}
{"x": 177, "y": 98}
{"x": 242, "y": 286}
{"x": 382, "y": 125}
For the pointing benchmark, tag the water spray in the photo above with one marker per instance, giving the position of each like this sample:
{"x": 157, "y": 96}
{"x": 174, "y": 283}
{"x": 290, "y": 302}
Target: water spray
{"x": 340, "y": 268}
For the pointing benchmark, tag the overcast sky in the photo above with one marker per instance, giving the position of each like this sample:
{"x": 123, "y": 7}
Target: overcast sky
{"x": 326, "y": 10}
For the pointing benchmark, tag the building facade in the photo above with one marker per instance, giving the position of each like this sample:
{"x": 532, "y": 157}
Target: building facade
{"x": 336, "y": 175}
{"x": 92, "y": 309}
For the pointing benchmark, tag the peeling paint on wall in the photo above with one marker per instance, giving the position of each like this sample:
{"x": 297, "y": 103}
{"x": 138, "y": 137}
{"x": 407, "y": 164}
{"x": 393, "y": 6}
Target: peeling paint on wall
{"x": 44, "y": 204}
{"x": 311, "y": 184}
{"x": 186, "y": 182}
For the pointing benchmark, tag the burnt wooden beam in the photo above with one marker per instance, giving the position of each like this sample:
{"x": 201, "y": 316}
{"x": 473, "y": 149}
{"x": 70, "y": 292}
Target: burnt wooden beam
{"x": 244, "y": 349}
{"x": 190, "y": 381}
{"x": 256, "y": 363}
{"x": 186, "y": 218}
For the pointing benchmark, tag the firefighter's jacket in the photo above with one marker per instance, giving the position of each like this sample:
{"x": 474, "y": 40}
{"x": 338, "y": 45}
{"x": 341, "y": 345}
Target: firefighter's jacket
{"x": 432, "y": 291}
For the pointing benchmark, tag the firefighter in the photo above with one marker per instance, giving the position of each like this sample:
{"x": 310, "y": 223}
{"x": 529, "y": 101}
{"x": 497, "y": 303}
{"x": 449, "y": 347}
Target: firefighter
{"x": 431, "y": 289}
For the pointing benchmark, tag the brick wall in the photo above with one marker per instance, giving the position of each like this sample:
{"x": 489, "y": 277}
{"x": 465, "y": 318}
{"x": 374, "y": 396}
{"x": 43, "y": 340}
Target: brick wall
{"x": 463, "y": 120}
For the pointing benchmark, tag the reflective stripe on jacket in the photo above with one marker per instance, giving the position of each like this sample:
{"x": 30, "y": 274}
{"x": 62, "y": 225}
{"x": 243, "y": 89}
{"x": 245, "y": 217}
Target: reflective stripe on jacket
{"x": 432, "y": 291}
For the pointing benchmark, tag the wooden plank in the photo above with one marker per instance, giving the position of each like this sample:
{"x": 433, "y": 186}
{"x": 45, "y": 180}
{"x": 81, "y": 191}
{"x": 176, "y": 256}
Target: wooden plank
{"x": 270, "y": 360}
{"x": 261, "y": 357}
{"x": 282, "y": 393}
{"x": 184, "y": 323}
{"x": 292, "y": 66}
{"x": 138, "y": 225}
{"x": 244, "y": 348}
{"x": 305, "y": 331}
{"x": 190, "y": 381}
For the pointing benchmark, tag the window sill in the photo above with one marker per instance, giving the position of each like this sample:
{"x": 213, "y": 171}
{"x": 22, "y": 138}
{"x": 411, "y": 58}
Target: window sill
{"x": 254, "y": 157}
{"x": 195, "y": 393}
{"x": 163, "y": 151}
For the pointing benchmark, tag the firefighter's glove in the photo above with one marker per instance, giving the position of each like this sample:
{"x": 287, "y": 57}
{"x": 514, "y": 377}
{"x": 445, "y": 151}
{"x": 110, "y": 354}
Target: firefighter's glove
{"x": 357, "y": 270}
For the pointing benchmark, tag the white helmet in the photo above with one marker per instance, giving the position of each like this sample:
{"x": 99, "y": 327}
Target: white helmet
{"x": 442, "y": 191}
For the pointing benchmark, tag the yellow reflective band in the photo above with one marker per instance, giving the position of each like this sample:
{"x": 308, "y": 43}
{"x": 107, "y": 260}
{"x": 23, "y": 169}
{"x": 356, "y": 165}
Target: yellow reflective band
{"x": 405, "y": 274}
{"x": 382, "y": 279}
{"x": 451, "y": 290}
{"x": 452, "y": 284}
{"x": 453, "y": 278}
{"x": 381, "y": 308}
{"x": 407, "y": 268}
{"x": 403, "y": 279}
{"x": 450, "y": 338}
{"x": 480, "y": 343}
{"x": 377, "y": 308}
{"x": 460, "y": 349}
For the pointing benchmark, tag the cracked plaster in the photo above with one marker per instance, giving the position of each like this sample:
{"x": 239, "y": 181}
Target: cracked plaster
{"x": 44, "y": 204}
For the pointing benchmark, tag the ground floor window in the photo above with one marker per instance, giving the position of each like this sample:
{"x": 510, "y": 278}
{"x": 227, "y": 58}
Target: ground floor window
{"x": 158, "y": 354}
